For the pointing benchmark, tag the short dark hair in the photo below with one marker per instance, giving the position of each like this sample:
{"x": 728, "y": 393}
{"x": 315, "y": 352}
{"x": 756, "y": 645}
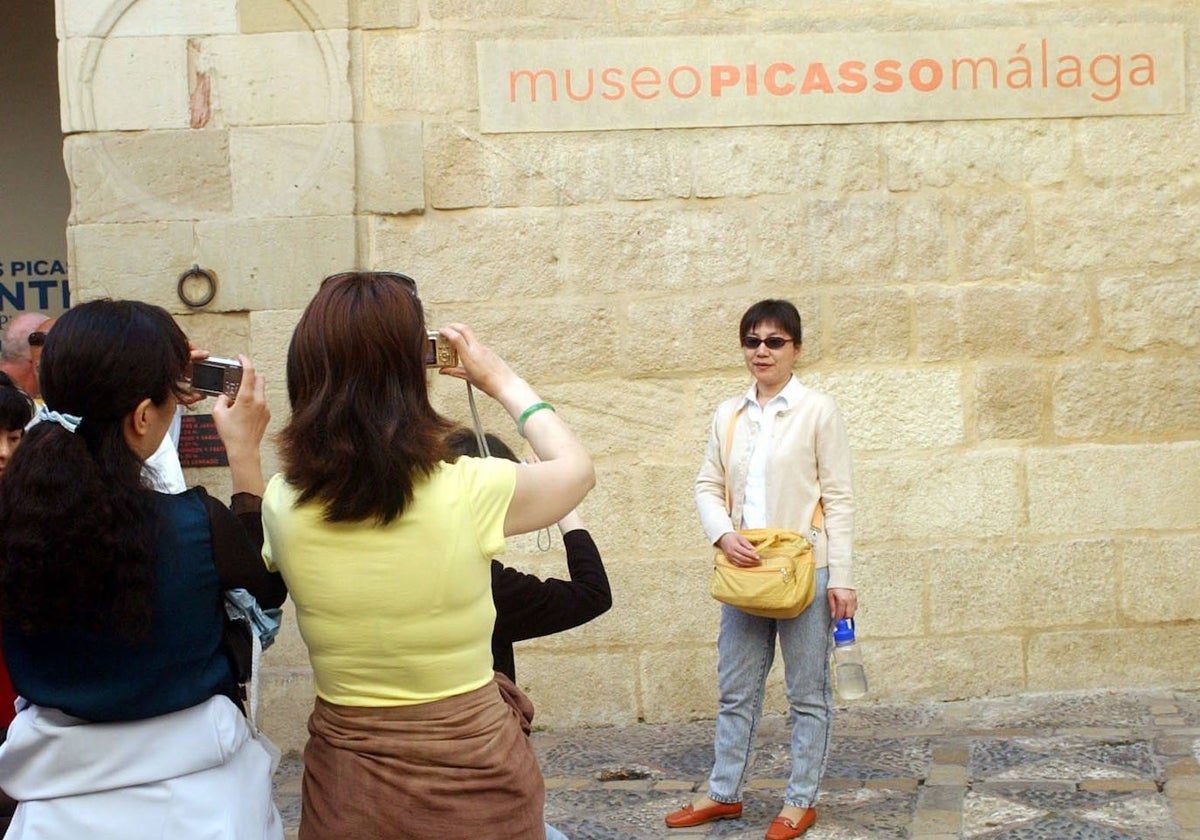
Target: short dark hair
{"x": 16, "y": 407}
{"x": 362, "y": 430}
{"x": 780, "y": 312}
{"x": 462, "y": 441}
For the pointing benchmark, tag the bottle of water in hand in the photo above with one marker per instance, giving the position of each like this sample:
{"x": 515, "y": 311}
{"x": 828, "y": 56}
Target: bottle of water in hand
{"x": 849, "y": 676}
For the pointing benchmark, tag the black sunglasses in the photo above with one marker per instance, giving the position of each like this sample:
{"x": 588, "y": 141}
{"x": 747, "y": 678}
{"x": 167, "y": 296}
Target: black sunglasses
{"x": 37, "y": 339}
{"x": 388, "y": 275}
{"x": 751, "y": 342}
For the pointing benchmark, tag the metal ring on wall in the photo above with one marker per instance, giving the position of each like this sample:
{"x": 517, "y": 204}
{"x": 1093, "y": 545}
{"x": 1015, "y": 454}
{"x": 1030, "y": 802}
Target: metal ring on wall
{"x": 207, "y": 284}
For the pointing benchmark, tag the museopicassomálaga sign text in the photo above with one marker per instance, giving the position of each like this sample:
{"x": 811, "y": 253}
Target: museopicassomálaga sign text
{"x": 845, "y": 77}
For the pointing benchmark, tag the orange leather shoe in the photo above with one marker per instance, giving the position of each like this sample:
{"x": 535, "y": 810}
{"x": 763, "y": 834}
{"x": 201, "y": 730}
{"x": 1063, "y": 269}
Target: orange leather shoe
{"x": 689, "y": 816}
{"x": 784, "y": 829}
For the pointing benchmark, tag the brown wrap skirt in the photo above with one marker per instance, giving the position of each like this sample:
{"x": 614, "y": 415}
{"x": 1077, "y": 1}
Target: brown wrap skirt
{"x": 459, "y": 767}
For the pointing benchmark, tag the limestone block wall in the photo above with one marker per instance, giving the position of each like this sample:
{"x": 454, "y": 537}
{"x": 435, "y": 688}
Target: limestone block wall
{"x": 1006, "y": 311}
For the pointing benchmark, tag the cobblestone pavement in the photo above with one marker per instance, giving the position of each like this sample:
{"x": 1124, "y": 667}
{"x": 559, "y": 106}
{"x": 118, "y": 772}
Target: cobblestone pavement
{"x": 1066, "y": 766}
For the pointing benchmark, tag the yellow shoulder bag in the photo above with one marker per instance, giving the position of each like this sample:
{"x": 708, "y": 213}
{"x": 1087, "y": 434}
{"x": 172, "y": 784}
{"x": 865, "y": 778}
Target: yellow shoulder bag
{"x": 785, "y": 583}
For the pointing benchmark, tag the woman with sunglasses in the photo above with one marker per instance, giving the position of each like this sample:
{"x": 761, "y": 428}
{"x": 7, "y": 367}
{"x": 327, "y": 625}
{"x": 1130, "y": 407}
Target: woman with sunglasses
{"x": 111, "y": 598}
{"x": 385, "y": 541}
{"x": 777, "y": 454}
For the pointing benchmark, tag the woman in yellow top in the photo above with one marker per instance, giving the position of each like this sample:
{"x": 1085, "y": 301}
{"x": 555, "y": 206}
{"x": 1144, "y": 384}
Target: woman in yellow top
{"x": 385, "y": 543}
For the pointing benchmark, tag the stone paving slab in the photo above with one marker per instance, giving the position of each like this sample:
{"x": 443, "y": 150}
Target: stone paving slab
{"x": 1104, "y": 765}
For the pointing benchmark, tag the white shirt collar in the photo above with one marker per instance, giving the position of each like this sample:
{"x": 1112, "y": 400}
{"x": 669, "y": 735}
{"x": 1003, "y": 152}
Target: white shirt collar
{"x": 790, "y": 395}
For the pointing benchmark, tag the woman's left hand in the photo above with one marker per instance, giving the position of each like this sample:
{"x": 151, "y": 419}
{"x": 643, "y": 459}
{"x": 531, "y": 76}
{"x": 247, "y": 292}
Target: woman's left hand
{"x": 843, "y": 603}
{"x": 241, "y": 424}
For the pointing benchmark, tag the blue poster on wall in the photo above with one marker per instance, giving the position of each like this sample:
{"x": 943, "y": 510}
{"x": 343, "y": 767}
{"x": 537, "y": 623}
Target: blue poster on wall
{"x": 33, "y": 285}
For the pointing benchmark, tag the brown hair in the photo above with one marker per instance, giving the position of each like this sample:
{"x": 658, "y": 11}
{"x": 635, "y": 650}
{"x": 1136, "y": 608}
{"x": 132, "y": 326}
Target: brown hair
{"x": 362, "y": 431}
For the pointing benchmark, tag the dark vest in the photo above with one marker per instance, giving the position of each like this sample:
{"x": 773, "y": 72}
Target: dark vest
{"x": 104, "y": 677}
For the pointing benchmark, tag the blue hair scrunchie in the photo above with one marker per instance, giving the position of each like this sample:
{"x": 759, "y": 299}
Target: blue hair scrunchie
{"x": 68, "y": 421}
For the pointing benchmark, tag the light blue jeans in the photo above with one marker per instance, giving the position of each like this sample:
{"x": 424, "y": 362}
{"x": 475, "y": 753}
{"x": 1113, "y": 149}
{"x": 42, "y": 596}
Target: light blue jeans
{"x": 745, "y": 650}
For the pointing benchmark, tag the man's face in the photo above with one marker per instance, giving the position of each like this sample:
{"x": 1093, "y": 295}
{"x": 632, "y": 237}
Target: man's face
{"x": 37, "y": 339}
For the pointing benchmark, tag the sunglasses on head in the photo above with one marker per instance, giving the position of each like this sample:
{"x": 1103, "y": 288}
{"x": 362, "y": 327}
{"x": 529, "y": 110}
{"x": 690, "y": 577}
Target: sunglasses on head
{"x": 383, "y": 275}
{"x": 37, "y": 339}
{"x": 775, "y": 342}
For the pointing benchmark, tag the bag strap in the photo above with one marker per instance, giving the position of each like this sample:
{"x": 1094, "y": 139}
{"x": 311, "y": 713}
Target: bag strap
{"x": 818, "y": 518}
{"x": 729, "y": 451}
{"x": 241, "y": 606}
{"x": 252, "y": 700}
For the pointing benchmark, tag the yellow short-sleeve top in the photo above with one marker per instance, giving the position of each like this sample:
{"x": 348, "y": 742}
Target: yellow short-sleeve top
{"x": 402, "y": 613}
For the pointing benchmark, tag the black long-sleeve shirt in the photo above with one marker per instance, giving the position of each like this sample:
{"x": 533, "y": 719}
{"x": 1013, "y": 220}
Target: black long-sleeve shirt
{"x": 528, "y": 607}
{"x": 237, "y": 549}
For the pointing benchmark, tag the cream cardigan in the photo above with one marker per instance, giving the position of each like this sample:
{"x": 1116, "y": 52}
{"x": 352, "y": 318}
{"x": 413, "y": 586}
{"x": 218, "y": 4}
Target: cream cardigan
{"x": 810, "y": 461}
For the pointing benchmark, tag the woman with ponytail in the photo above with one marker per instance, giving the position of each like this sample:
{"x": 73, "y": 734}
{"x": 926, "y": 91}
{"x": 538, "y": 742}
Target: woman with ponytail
{"x": 111, "y": 597}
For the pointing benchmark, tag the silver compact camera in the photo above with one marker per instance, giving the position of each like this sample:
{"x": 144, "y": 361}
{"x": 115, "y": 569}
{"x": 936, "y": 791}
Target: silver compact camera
{"x": 215, "y": 375}
{"x": 439, "y": 352}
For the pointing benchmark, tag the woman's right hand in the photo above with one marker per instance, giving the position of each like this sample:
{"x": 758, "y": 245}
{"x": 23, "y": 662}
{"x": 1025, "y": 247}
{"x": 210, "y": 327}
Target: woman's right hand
{"x": 738, "y": 549}
{"x": 478, "y": 363}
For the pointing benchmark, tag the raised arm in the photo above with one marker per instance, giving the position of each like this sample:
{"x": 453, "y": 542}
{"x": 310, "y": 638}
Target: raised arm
{"x": 528, "y": 607}
{"x": 237, "y": 541}
{"x": 241, "y": 425}
{"x": 238, "y": 535}
{"x": 545, "y": 491}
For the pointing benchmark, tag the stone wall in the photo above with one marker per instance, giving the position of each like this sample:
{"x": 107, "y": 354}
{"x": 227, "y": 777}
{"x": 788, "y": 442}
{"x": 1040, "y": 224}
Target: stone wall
{"x": 1006, "y": 311}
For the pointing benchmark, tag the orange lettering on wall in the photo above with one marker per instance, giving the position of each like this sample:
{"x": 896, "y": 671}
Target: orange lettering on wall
{"x": 1111, "y": 81}
{"x": 815, "y": 78}
{"x": 1075, "y": 68}
{"x": 771, "y": 79}
{"x": 855, "y": 80}
{"x": 916, "y": 75}
{"x": 889, "y": 80}
{"x": 1031, "y": 64}
{"x": 611, "y": 78}
{"x": 642, "y": 78}
{"x": 722, "y": 76}
{"x": 698, "y": 82}
{"x": 591, "y": 84}
{"x": 1146, "y": 69}
{"x": 1022, "y": 70}
{"x": 533, "y": 77}
{"x": 974, "y": 64}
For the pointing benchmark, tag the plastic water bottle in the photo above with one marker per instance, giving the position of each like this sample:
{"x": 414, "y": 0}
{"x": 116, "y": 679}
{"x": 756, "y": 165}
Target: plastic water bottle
{"x": 849, "y": 675}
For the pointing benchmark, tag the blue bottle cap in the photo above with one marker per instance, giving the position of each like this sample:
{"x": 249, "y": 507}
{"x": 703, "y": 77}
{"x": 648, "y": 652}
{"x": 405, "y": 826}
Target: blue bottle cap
{"x": 843, "y": 634}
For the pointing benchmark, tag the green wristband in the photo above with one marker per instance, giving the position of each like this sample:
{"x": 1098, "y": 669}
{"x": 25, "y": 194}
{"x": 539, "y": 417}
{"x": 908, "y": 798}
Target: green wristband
{"x": 525, "y": 415}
